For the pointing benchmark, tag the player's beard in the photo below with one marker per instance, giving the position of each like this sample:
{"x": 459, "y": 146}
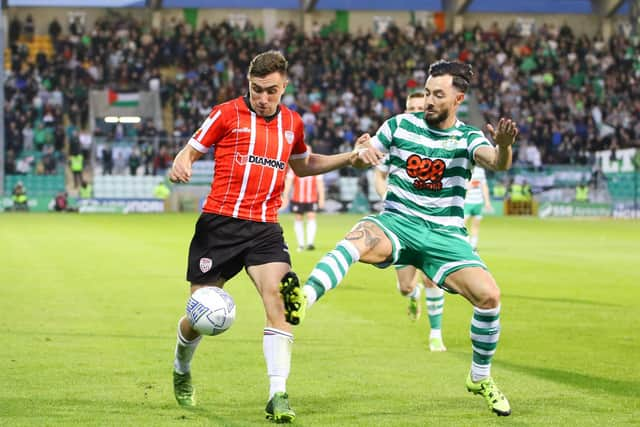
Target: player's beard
{"x": 436, "y": 120}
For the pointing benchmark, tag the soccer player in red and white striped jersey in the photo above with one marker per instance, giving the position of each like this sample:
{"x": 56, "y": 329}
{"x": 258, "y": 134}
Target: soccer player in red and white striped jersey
{"x": 306, "y": 198}
{"x": 255, "y": 138}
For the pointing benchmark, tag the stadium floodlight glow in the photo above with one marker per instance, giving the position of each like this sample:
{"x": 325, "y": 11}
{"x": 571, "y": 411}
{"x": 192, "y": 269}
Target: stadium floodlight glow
{"x": 130, "y": 119}
{"x": 111, "y": 119}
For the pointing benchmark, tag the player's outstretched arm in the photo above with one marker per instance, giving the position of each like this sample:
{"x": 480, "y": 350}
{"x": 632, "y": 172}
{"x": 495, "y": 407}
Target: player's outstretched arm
{"x": 181, "y": 167}
{"x": 364, "y": 155}
{"x": 504, "y": 136}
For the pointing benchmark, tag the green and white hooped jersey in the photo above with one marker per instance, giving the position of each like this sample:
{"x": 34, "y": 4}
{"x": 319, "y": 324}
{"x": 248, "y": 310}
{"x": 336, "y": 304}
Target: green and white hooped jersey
{"x": 428, "y": 168}
{"x": 474, "y": 191}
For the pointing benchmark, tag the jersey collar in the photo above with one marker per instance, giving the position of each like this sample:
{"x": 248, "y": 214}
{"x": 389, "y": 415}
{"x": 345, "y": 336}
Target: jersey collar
{"x": 266, "y": 119}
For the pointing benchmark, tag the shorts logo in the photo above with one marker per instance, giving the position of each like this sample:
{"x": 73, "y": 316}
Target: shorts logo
{"x": 205, "y": 264}
{"x": 288, "y": 135}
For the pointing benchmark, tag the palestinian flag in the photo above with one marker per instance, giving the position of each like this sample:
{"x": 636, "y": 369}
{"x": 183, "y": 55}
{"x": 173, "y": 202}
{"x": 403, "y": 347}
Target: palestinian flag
{"x": 116, "y": 99}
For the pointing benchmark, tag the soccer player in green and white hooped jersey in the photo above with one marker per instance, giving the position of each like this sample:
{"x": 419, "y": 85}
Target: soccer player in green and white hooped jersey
{"x": 431, "y": 156}
{"x": 476, "y": 202}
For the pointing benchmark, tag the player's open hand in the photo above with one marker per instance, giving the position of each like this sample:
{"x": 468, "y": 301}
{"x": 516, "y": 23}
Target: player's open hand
{"x": 365, "y": 154}
{"x": 505, "y": 134}
{"x": 180, "y": 171}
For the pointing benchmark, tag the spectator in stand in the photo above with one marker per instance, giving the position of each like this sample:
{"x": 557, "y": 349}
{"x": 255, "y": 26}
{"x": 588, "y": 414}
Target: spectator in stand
{"x": 19, "y": 197}
{"x": 134, "y": 162}
{"x": 61, "y": 203}
{"x": 29, "y": 27}
{"x": 86, "y": 190}
{"x": 15, "y": 28}
{"x": 54, "y": 30}
{"x": 107, "y": 160}
{"x": 162, "y": 161}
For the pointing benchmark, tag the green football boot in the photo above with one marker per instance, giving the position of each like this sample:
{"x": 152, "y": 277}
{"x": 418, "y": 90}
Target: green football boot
{"x": 183, "y": 390}
{"x": 488, "y": 389}
{"x": 295, "y": 301}
{"x": 278, "y": 409}
{"x": 414, "y": 310}
{"x": 436, "y": 344}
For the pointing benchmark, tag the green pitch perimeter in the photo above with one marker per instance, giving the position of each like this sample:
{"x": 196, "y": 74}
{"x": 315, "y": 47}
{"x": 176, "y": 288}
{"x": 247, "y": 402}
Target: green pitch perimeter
{"x": 89, "y": 306}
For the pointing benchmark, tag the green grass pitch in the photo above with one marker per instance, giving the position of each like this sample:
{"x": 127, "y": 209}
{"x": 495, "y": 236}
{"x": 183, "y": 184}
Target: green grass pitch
{"x": 89, "y": 305}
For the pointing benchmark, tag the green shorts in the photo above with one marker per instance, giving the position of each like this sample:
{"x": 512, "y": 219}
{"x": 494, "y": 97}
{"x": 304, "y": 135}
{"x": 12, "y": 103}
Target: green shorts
{"x": 437, "y": 251}
{"x": 473, "y": 209}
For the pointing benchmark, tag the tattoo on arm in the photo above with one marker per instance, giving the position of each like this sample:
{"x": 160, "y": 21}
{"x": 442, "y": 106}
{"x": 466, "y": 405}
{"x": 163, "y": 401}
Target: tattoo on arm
{"x": 364, "y": 231}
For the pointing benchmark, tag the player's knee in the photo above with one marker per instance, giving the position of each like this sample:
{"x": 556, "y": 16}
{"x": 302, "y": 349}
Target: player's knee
{"x": 490, "y": 298}
{"x": 404, "y": 288}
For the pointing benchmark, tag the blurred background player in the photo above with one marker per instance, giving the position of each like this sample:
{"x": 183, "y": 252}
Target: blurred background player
{"x": 308, "y": 196}
{"x": 475, "y": 203}
{"x": 409, "y": 277}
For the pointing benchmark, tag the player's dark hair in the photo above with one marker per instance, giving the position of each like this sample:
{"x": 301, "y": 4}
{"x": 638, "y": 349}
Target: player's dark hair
{"x": 268, "y": 62}
{"x": 462, "y": 73}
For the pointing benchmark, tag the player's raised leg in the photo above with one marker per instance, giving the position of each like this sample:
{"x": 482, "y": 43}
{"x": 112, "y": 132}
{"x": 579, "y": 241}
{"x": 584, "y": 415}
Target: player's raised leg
{"x": 277, "y": 339}
{"x": 478, "y": 286}
{"x": 366, "y": 242}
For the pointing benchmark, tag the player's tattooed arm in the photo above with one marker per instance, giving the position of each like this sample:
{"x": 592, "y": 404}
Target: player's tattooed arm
{"x": 365, "y": 232}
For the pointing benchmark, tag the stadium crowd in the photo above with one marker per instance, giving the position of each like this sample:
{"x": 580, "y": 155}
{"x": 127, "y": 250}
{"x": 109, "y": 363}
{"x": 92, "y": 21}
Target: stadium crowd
{"x": 571, "y": 94}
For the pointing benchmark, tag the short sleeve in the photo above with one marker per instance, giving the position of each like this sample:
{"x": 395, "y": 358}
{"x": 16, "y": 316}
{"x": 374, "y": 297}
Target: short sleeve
{"x": 299, "y": 148}
{"x": 383, "y": 137}
{"x": 210, "y": 132}
{"x": 475, "y": 140}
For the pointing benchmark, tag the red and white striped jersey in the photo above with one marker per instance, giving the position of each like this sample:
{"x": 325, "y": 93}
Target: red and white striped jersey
{"x": 251, "y": 156}
{"x": 305, "y": 189}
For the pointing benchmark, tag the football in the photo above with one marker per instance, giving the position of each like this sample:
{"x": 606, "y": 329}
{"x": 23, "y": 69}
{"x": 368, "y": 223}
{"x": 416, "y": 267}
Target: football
{"x": 211, "y": 311}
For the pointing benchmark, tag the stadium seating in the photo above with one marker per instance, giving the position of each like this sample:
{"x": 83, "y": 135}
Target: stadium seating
{"x": 623, "y": 186}
{"x": 36, "y": 185}
{"x": 125, "y": 186}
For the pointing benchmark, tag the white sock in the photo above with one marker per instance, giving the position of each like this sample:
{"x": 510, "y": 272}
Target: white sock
{"x": 184, "y": 352}
{"x": 473, "y": 240}
{"x": 435, "y": 333}
{"x": 485, "y": 329}
{"x": 311, "y": 294}
{"x": 298, "y": 227}
{"x": 276, "y": 345}
{"x": 311, "y": 231}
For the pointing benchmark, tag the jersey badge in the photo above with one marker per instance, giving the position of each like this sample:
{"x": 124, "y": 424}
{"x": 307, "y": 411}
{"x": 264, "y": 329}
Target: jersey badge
{"x": 288, "y": 135}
